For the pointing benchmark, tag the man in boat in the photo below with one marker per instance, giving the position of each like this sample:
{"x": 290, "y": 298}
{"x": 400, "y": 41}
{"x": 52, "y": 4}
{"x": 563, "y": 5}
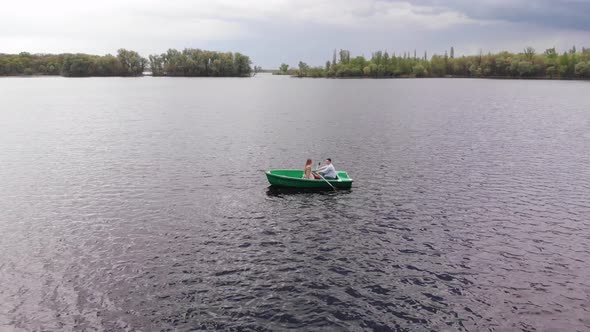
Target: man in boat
{"x": 328, "y": 171}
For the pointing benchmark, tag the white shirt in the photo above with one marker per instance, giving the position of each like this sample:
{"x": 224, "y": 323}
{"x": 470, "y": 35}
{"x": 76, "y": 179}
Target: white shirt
{"x": 328, "y": 171}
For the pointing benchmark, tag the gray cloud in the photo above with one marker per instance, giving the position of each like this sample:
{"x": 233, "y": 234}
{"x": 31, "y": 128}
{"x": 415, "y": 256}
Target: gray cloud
{"x": 568, "y": 14}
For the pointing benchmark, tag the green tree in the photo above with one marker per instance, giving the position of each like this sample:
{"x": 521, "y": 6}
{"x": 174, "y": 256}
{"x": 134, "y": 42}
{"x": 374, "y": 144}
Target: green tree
{"x": 344, "y": 56}
{"x": 419, "y": 70}
{"x": 438, "y": 65}
{"x": 131, "y": 62}
{"x": 474, "y": 70}
{"x": 565, "y": 65}
{"x": 242, "y": 63}
{"x": 529, "y": 53}
{"x": 525, "y": 68}
{"x": 156, "y": 63}
{"x": 303, "y": 68}
{"x": 583, "y": 69}
{"x": 283, "y": 68}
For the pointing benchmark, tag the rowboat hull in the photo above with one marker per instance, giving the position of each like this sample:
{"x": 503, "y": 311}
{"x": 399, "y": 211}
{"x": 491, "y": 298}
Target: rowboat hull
{"x": 294, "y": 179}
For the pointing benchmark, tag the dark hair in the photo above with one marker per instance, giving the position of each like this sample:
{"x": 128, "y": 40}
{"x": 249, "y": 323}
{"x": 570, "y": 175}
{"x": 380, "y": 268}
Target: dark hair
{"x": 330, "y": 159}
{"x": 308, "y": 162}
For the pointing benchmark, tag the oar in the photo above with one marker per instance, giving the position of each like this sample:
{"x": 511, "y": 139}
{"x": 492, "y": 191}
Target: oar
{"x": 318, "y": 173}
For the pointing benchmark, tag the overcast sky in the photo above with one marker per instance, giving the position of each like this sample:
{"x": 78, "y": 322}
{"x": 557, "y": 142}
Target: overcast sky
{"x": 275, "y": 31}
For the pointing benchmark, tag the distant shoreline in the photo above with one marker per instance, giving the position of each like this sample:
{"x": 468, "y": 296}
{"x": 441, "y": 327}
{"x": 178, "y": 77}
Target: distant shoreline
{"x": 326, "y": 78}
{"x": 126, "y": 63}
{"x": 446, "y": 77}
{"x": 571, "y": 65}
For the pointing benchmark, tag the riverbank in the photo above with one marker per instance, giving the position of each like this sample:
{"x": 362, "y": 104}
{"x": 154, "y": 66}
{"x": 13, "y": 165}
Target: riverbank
{"x": 448, "y": 76}
{"x": 571, "y": 64}
{"x": 185, "y": 63}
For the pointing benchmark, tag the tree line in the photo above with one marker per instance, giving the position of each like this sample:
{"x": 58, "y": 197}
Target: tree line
{"x": 527, "y": 64}
{"x": 189, "y": 62}
{"x": 196, "y": 62}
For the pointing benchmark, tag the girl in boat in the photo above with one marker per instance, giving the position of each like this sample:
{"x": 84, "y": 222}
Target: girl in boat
{"x": 307, "y": 173}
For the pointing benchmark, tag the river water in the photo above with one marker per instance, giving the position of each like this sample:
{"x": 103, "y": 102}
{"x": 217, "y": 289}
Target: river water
{"x": 140, "y": 204}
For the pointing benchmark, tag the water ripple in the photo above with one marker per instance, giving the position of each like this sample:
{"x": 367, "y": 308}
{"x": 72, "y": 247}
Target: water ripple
{"x": 141, "y": 204}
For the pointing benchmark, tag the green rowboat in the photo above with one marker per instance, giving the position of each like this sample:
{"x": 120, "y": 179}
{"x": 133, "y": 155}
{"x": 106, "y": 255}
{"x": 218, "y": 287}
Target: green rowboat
{"x": 293, "y": 178}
